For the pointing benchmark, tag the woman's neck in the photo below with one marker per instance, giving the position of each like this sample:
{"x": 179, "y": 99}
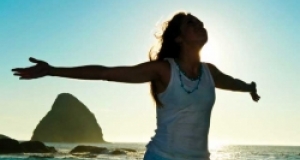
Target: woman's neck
{"x": 189, "y": 57}
{"x": 189, "y": 61}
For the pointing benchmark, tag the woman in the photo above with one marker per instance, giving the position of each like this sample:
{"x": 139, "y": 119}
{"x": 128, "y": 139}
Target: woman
{"x": 182, "y": 86}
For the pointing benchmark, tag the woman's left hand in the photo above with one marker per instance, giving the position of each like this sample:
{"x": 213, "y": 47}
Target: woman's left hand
{"x": 253, "y": 92}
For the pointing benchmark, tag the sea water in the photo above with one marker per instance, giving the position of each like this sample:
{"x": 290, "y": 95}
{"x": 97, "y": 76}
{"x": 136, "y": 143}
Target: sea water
{"x": 229, "y": 152}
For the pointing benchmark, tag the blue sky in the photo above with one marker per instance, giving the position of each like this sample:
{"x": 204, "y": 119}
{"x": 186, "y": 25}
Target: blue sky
{"x": 250, "y": 40}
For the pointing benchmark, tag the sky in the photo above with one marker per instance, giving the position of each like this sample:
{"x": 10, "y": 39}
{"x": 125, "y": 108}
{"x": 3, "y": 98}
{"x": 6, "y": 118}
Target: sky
{"x": 251, "y": 40}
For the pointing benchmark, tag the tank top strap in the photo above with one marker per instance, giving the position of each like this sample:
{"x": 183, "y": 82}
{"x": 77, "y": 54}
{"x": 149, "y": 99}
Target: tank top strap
{"x": 172, "y": 63}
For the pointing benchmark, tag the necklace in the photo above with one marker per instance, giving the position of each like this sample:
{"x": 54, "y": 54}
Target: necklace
{"x": 192, "y": 79}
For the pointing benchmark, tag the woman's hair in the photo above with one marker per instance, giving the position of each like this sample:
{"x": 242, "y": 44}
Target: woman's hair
{"x": 169, "y": 48}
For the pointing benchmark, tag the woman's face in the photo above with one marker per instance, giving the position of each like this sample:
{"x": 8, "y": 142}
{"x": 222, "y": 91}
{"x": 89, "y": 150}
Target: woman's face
{"x": 192, "y": 30}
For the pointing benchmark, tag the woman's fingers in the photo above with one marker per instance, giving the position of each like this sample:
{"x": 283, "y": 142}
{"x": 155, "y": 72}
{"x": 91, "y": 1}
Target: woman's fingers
{"x": 18, "y": 74}
{"x": 18, "y": 69}
{"x": 28, "y": 70}
{"x": 36, "y": 71}
{"x": 256, "y": 99}
{"x": 255, "y": 96}
{"x": 24, "y": 75}
{"x": 28, "y": 76}
{"x": 31, "y": 59}
{"x": 32, "y": 70}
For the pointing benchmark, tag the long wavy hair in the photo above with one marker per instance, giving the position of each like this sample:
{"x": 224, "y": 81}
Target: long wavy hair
{"x": 168, "y": 47}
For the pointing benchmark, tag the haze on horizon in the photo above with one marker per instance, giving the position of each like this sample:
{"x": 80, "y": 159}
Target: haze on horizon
{"x": 251, "y": 40}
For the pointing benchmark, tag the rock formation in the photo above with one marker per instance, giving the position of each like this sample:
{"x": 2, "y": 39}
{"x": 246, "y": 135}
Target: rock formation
{"x": 3, "y": 137}
{"x": 68, "y": 121}
{"x": 9, "y": 146}
{"x": 92, "y": 151}
{"x": 89, "y": 149}
{"x": 36, "y": 147}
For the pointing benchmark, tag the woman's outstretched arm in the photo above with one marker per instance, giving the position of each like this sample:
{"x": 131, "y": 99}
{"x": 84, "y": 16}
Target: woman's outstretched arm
{"x": 227, "y": 82}
{"x": 140, "y": 73}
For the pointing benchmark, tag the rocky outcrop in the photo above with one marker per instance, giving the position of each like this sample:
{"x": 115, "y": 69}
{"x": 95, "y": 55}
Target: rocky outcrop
{"x": 69, "y": 120}
{"x": 36, "y": 147}
{"x": 8, "y": 146}
{"x": 117, "y": 152}
{"x": 127, "y": 149}
{"x": 89, "y": 149}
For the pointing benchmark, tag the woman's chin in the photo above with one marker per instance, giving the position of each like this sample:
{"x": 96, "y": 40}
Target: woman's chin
{"x": 202, "y": 42}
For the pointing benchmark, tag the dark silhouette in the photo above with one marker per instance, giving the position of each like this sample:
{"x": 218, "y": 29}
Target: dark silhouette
{"x": 182, "y": 86}
{"x": 68, "y": 121}
{"x": 36, "y": 147}
{"x": 9, "y": 146}
{"x": 3, "y": 136}
{"x": 89, "y": 149}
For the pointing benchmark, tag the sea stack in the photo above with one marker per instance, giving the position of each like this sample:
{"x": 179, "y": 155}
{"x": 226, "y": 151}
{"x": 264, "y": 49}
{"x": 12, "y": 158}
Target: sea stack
{"x": 68, "y": 121}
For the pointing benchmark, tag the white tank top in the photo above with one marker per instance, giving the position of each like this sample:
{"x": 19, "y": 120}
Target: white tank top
{"x": 183, "y": 122}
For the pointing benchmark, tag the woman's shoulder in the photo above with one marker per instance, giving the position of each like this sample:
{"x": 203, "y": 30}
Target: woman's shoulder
{"x": 165, "y": 63}
{"x": 212, "y": 68}
{"x": 164, "y": 70}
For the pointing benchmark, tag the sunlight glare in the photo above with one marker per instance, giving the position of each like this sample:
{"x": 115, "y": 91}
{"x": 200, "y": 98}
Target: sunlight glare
{"x": 209, "y": 54}
{"x": 216, "y": 145}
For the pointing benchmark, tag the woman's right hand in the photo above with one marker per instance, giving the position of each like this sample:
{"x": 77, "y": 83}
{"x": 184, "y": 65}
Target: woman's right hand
{"x": 39, "y": 70}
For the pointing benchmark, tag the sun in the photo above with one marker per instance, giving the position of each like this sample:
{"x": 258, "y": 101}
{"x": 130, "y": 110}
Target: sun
{"x": 209, "y": 53}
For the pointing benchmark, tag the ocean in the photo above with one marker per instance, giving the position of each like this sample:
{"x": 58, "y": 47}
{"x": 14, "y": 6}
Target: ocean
{"x": 229, "y": 152}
